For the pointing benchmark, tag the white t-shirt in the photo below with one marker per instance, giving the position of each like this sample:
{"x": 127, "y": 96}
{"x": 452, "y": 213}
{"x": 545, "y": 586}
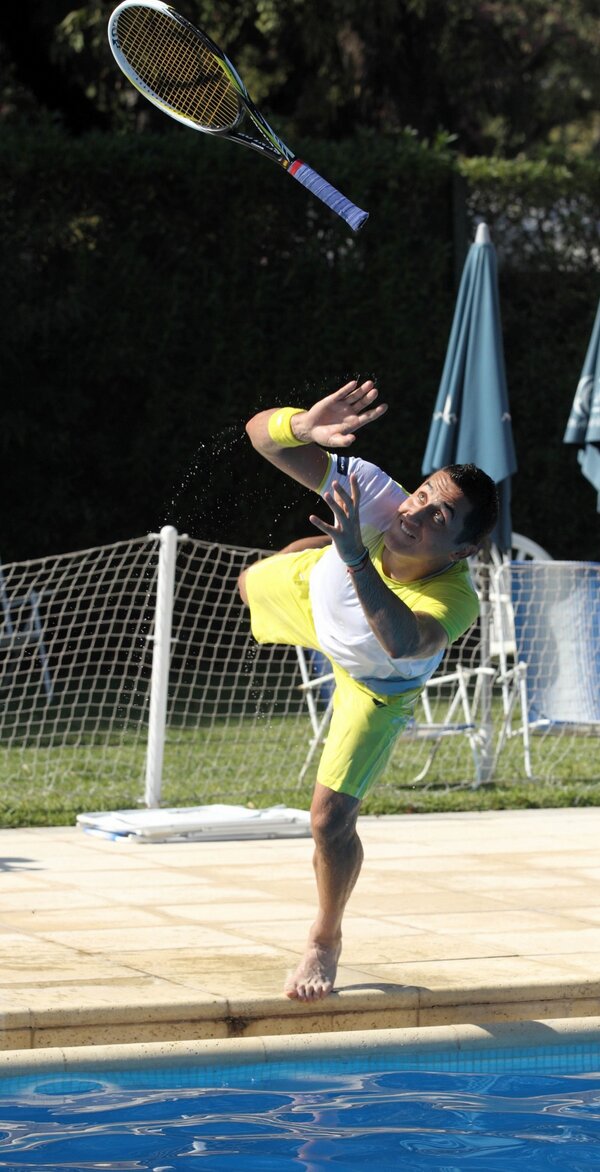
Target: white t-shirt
{"x": 340, "y": 622}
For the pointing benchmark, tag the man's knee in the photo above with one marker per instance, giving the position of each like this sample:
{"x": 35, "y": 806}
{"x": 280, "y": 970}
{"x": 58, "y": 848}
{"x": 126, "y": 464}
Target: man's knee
{"x": 333, "y": 816}
{"x": 318, "y": 541}
{"x": 241, "y": 585}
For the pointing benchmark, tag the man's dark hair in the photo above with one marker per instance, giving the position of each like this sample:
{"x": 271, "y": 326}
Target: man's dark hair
{"x": 482, "y": 495}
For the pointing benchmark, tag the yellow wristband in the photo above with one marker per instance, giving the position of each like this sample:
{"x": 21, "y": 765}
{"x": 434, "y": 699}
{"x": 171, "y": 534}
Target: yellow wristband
{"x": 280, "y": 427}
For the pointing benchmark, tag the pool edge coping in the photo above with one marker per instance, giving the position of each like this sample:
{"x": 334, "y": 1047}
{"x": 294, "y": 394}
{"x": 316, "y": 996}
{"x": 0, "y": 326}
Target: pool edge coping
{"x": 222, "y": 1052}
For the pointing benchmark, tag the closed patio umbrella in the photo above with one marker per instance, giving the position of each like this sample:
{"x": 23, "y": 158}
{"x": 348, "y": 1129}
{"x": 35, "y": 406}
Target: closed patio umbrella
{"x": 471, "y": 420}
{"x": 472, "y": 424}
{"x": 583, "y": 426}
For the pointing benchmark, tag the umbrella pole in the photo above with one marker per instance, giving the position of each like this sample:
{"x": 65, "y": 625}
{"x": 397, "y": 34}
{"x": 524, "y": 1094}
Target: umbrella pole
{"x": 485, "y": 769}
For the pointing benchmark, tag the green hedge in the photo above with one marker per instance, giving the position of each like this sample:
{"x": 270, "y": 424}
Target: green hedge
{"x": 158, "y": 289}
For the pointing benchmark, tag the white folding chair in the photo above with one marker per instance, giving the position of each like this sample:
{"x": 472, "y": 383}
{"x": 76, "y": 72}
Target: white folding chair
{"x": 21, "y": 626}
{"x": 511, "y": 672}
{"x": 425, "y": 728}
{"x": 556, "y": 607}
{"x": 319, "y": 684}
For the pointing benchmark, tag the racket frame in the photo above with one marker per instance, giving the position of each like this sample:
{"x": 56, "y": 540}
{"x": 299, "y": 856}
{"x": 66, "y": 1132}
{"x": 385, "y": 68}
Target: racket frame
{"x": 269, "y": 145}
{"x": 274, "y": 147}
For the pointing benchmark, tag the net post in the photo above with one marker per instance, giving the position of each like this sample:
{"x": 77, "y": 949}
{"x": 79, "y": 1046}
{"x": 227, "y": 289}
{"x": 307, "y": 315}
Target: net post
{"x": 161, "y": 658}
{"x": 485, "y": 767}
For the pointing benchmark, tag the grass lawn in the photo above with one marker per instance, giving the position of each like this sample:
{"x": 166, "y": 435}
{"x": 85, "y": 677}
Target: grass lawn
{"x": 257, "y": 763}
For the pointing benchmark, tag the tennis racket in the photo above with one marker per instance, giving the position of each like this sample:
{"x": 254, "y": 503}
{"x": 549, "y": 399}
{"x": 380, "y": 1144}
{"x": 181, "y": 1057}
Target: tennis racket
{"x": 183, "y": 72}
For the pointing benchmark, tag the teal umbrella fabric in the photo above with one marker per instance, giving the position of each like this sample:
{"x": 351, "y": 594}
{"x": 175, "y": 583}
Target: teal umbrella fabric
{"x": 583, "y": 426}
{"x": 471, "y": 421}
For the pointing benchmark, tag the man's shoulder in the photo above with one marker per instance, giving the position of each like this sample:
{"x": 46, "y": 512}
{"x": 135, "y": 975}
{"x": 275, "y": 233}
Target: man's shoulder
{"x": 451, "y": 598}
{"x": 375, "y": 483}
{"x": 452, "y": 585}
{"x": 460, "y": 570}
{"x": 458, "y": 575}
{"x": 369, "y": 473}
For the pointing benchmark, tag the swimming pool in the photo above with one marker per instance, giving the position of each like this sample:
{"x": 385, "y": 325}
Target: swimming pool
{"x": 471, "y": 1099}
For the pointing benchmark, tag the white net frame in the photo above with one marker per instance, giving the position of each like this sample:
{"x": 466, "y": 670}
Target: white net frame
{"x": 75, "y": 666}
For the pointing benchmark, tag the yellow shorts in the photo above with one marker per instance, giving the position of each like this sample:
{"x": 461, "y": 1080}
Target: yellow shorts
{"x": 364, "y": 725}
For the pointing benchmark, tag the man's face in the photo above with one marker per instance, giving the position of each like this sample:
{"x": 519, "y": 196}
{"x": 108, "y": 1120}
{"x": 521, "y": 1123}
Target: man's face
{"x": 428, "y": 523}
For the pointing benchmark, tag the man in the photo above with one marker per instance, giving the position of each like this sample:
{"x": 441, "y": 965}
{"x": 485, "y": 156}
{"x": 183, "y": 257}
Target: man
{"x": 384, "y": 595}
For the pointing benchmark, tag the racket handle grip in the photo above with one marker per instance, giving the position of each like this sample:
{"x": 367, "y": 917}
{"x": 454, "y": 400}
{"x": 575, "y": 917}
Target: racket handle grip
{"x": 323, "y": 190}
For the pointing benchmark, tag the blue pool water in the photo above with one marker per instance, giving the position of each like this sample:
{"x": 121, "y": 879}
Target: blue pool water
{"x": 485, "y": 1111}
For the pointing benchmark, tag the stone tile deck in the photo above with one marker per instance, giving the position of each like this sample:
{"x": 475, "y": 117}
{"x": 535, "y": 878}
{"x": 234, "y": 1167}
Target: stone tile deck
{"x": 456, "y": 918}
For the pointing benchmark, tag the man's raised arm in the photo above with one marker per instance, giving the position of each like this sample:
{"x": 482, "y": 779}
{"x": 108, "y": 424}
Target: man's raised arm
{"x": 294, "y": 439}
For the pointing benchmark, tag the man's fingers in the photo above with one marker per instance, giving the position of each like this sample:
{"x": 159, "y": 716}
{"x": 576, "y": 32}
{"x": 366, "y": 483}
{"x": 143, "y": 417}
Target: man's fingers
{"x": 338, "y": 507}
{"x": 341, "y": 439}
{"x": 356, "y": 389}
{"x": 369, "y": 415}
{"x": 361, "y": 390}
{"x": 348, "y": 498}
{"x": 354, "y": 490}
{"x": 345, "y": 391}
{"x": 322, "y": 525}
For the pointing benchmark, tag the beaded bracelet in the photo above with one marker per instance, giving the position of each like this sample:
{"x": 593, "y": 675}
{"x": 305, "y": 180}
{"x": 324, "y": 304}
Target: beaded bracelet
{"x": 280, "y": 427}
{"x": 359, "y": 563}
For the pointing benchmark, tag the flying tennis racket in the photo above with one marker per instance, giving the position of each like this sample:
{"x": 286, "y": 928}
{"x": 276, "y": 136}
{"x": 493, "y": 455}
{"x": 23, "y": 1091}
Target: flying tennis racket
{"x": 183, "y": 72}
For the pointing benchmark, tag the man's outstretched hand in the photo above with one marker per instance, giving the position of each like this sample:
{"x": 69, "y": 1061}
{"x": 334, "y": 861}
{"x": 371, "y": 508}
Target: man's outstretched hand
{"x": 345, "y": 529}
{"x": 334, "y": 421}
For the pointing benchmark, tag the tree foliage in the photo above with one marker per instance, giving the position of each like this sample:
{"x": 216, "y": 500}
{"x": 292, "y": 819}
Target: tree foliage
{"x": 502, "y": 76}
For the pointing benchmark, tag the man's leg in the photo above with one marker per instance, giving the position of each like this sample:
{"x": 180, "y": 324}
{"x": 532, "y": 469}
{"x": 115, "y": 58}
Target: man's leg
{"x": 337, "y": 861}
{"x": 361, "y": 734}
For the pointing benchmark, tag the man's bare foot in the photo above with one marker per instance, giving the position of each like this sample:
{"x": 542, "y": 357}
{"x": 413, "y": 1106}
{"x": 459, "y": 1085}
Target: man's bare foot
{"x": 314, "y": 977}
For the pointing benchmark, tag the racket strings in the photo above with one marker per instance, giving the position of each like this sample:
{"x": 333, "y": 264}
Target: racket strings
{"x": 172, "y": 61}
